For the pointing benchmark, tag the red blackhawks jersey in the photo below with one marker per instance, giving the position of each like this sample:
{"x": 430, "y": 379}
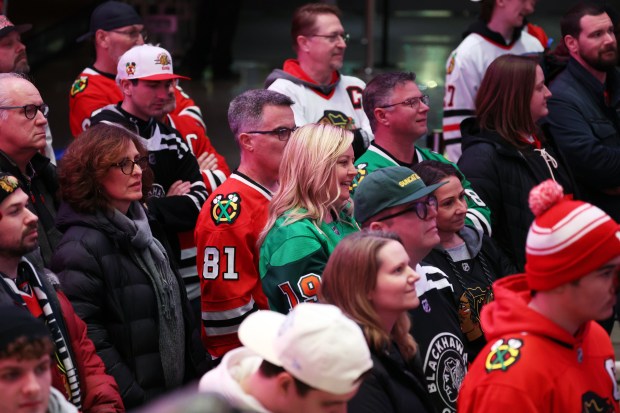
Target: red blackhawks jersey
{"x": 92, "y": 90}
{"x": 531, "y": 364}
{"x": 227, "y": 259}
{"x": 196, "y": 138}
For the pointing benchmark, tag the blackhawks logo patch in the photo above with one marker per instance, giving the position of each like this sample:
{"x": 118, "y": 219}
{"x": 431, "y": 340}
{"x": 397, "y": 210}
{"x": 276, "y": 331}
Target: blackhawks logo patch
{"x": 451, "y": 64}
{"x": 226, "y": 210}
{"x": 504, "y": 354}
{"x": 79, "y": 85}
{"x": 8, "y": 184}
{"x": 164, "y": 60}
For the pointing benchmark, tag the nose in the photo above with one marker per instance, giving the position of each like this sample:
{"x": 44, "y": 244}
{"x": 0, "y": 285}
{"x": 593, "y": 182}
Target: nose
{"x": 413, "y": 276}
{"x": 548, "y": 93}
{"x": 31, "y": 388}
{"x": 352, "y": 169}
{"x": 461, "y": 206}
{"x": 432, "y": 212}
{"x": 140, "y": 40}
{"x": 30, "y": 218}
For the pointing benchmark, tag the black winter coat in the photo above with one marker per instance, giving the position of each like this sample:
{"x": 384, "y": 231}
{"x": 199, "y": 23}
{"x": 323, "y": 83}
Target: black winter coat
{"x": 116, "y": 300}
{"x": 503, "y": 176}
{"x": 393, "y": 386}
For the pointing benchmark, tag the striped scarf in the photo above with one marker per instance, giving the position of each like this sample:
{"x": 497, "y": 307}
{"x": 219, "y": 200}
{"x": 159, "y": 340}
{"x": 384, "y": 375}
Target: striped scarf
{"x": 28, "y": 282}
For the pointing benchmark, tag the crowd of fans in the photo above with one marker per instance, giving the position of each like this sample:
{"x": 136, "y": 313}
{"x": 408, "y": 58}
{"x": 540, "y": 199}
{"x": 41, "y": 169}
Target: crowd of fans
{"x": 340, "y": 266}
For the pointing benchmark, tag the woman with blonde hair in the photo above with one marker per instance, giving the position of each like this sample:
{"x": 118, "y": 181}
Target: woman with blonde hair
{"x": 369, "y": 277}
{"x": 308, "y": 215}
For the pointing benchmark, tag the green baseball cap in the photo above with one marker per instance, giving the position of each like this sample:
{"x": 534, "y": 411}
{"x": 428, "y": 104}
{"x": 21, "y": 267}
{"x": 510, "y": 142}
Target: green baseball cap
{"x": 386, "y": 188}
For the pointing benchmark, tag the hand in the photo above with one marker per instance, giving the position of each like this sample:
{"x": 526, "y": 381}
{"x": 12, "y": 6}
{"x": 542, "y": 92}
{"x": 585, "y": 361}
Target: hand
{"x": 179, "y": 188}
{"x": 207, "y": 161}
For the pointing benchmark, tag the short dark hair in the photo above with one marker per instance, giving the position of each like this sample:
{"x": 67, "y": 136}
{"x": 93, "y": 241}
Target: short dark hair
{"x": 245, "y": 111}
{"x": 570, "y": 23}
{"x": 86, "y": 162}
{"x": 305, "y": 16}
{"x": 269, "y": 370}
{"x": 379, "y": 91}
{"x": 24, "y": 348}
{"x": 432, "y": 172}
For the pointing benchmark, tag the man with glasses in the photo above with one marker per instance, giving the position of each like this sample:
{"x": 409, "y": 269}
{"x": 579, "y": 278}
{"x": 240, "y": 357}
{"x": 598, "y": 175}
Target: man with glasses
{"x": 397, "y": 111}
{"x": 313, "y": 81}
{"x": 115, "y": 27}
{"x": 395, "y": 199}
{"x": 146, "y": 78}
{"x": 23, "y": 122}
{"x": 13, "y": 58}
{"x": 234, "y": 215}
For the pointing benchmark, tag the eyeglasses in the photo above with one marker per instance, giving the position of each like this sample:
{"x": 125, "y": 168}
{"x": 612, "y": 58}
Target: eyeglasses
{"x": 283, "y": 134}
{"x": 413, "y": 102}
{"x": 133, "y": 34}
{"x": 333, "y": 38}
{"x": 127, "y": 165}
{"x": 420, "y": 208}
{"x": 31, "y": 110}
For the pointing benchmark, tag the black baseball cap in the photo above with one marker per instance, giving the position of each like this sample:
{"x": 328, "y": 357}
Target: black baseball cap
{"x": 7, "y": 27}
{"x": 111, "y": 15}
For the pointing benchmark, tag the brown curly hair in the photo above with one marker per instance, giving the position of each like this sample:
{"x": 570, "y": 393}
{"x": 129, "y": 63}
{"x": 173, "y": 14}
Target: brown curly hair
{"x": 24, "y": 348}
{"x": 86, "y": 162}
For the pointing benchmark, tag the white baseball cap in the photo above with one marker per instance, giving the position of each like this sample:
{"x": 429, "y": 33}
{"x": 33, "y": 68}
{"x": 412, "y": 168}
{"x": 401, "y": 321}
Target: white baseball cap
{"x": 316, "y": 343}
{"x": 146, "y": 62}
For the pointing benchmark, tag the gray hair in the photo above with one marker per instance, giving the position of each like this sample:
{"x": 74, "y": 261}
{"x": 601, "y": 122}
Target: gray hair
{"x": 245, "y": 112}
{"x": 378, "y": 92}
{"x": 6, "y": 98}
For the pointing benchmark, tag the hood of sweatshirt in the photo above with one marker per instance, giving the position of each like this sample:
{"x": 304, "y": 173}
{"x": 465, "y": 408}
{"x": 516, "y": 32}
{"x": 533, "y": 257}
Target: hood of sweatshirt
{"x": 510, "y": 314}
{"x": 293, "y": 72}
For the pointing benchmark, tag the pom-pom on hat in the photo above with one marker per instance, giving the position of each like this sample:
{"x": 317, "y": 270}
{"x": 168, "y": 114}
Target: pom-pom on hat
{"x": 567, "y": 240}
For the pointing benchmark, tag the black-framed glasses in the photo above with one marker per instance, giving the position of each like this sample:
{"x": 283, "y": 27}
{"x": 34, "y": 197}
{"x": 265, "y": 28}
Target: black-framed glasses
{"x": 127, "y": 165}
{"x": 420, "y": 208}
{"x": 412, "y": 102}
{"x": 30, "y": 111}
{"x": 283, "y": 133}
{"x": 333, "y": 38}
{"x": 133, "y": 34}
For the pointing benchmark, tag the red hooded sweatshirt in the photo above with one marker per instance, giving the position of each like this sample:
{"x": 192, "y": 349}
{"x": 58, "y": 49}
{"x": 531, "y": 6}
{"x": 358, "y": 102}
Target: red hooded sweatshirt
{"x": 531, "y": 364}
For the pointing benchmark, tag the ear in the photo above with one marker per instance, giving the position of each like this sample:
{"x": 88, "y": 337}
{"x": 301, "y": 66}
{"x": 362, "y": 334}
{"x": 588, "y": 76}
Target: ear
{"x": 126, "y": 87}
{"x": 380, "y": 116}
{"x": 285, "y": 383}
{"x": 303, "y": 43}
{"x": 101, "y": 38}
{"x": 377, "y": 226}
{"x": 246, "y": 142}
{"x": 572, "y": 44}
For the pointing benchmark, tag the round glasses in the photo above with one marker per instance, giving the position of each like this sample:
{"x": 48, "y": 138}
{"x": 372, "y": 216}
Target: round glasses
{"x": 30, "y": 111}
{"x": 127, "y": 165}
{"x": 420, "y": 208}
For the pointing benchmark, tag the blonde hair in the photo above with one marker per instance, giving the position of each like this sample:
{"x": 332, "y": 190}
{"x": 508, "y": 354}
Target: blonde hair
{"x": 350, "y": 276}
{"x": 308, "y": 174}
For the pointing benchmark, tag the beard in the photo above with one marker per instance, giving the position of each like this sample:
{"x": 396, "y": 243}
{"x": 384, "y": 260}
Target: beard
{"x": 13, "y": 249}
{"x": 600, "y": 63}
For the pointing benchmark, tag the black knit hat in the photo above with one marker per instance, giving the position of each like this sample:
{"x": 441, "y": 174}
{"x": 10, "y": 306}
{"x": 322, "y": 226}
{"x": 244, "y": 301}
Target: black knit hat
{"x": 111, "y": 15}
{"x": 16, "y": 322}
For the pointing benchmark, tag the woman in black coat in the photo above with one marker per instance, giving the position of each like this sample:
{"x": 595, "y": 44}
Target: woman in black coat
{"x": 116, "y": 274}
{"x": 505, "y": 152}
{"x": 369, "y": 278}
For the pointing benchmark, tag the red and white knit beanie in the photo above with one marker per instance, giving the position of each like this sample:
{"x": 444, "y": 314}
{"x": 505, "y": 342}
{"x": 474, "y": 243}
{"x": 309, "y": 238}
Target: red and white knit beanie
{"x": 567, "y": 240}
